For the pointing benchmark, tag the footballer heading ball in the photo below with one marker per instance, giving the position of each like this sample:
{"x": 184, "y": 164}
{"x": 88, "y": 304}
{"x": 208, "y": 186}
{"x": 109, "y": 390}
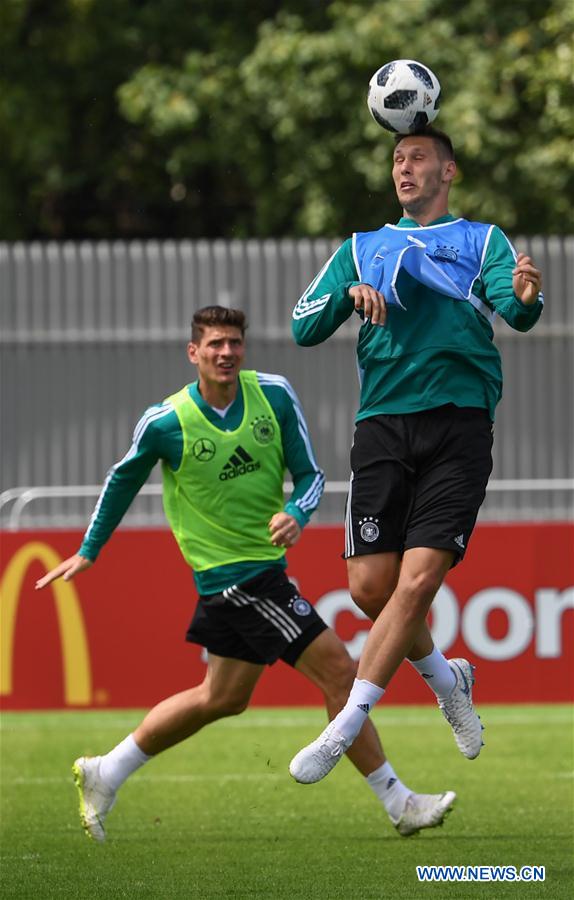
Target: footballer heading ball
{"x": 404, "y": 96}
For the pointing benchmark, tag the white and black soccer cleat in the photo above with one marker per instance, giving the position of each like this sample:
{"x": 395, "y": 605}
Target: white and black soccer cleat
{"x": 317, "y": 759}
{"x": 459, "y": 711}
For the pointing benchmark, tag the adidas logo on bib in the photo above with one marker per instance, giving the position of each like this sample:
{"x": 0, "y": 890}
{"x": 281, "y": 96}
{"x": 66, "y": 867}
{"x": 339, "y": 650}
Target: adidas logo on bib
{"x": 239, "y": 463}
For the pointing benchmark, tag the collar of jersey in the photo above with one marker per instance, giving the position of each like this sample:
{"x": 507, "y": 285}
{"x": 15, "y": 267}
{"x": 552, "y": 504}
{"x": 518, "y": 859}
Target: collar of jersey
{"x": 232, "y": 418}
{"x": 410, "y": 223}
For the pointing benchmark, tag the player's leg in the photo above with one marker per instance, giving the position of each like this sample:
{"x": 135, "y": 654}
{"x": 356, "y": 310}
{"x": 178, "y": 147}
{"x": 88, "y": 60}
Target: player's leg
{"x": 327, "y": 664}
{"x": 454, "y": 455}
{"x": 225, "y": 691}
{"x": 390, "y": 638}
{"x": 372, "y": 581}
{"x": 383, "y": 494}
{"x": 402, "y": 620}
{"x": 449, "y": 451}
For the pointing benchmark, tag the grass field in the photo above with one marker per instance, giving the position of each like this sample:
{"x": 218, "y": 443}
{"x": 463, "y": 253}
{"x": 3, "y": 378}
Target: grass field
{"x": 220, "y": 817}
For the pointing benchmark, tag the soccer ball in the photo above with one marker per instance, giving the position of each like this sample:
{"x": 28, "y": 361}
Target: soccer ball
{"x": 404, "y": 96}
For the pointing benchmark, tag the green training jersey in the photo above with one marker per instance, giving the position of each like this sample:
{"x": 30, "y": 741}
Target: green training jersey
{"x": 228, "y": 484}
{"x": 158, "y": 437}
{"x": 437, "y": 350}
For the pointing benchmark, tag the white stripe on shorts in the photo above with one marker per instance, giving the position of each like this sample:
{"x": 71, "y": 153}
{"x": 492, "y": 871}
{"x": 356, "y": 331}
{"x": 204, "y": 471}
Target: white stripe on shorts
{"x": 349, "y": 541}
{"x": 266, "y": 608}
{"x": 273, "y": 609}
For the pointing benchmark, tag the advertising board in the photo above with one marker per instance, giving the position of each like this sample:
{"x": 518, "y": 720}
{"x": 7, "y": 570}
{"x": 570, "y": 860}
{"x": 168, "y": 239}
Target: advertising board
{"x": 114, "y": 636}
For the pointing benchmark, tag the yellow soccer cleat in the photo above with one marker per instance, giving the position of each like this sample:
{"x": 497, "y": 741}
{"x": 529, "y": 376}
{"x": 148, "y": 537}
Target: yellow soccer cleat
{"x": 96, "y": 798}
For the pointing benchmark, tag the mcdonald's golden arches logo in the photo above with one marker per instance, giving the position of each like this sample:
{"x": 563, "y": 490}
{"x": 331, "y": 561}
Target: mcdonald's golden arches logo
{"x": 73, "y": 639}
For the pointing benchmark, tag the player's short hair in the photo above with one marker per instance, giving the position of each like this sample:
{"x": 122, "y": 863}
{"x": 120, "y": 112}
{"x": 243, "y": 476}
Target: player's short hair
{"x": 442, "y": 142}
{"x": 213, "y": 316}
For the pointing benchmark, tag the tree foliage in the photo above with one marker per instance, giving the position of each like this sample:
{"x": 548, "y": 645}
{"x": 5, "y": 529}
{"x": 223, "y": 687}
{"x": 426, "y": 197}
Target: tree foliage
{"x": 124, "y": 118}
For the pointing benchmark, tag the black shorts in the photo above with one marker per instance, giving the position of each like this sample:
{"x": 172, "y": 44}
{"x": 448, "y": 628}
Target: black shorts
{"x": 418, "y": 480}
{"x": 258, "y": 621}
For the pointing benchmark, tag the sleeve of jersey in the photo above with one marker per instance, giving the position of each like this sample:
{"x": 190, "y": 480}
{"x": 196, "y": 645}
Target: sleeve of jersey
{"x": 496, "y": 279}
{"x": 122, "y": 483}
{"x": 326, "y": 304}
{"x": 308, "y": 478}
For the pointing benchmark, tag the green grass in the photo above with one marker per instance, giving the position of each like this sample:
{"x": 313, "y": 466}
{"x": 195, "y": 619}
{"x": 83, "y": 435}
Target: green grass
{"x": 219, "y": 816}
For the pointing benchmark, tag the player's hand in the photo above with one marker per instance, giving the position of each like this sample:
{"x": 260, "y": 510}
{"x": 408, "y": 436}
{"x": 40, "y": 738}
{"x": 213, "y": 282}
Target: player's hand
{"x": 285, "y": 530}
{"x": 370, "y": 301}
{"x": 65, "y": 570}
{"x": 526, "y": 279}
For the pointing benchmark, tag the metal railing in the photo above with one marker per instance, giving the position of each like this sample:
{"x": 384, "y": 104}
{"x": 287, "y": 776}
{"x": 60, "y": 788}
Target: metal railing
{"x": 22, "y": 497}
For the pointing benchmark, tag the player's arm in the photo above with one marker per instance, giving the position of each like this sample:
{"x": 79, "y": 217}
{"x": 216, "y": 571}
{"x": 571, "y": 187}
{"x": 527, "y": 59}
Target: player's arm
{"x": 510, "y": 283}
{"x": 326, "y": 303}
{"x": 308, "y": 477}
{"x": 122, "y": 483}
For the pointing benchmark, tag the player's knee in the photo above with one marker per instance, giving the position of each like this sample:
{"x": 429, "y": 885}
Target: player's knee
{"x": 369, "y": 595}
{"x": 418, "y": 589}
{"x": 372, "y": 581}
{"x": 228, "y": 705}
{"x": 234, "y": 706}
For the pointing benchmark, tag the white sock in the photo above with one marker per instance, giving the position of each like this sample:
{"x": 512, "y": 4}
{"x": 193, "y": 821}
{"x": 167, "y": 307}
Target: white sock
{"x": 120, "y": 762}
{"x": 364, "y": 695}
{"x": 390, "y": 790}
{"x": 436, "y": 672}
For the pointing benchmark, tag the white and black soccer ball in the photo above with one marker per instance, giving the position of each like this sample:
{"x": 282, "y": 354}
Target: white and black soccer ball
{"x": 404, "y": 96}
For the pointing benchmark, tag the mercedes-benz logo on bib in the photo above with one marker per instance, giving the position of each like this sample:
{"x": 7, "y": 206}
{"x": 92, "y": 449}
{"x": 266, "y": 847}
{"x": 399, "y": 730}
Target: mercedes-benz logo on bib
{"x": 369, "y": 530}
{"x": 203, "y": 449}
